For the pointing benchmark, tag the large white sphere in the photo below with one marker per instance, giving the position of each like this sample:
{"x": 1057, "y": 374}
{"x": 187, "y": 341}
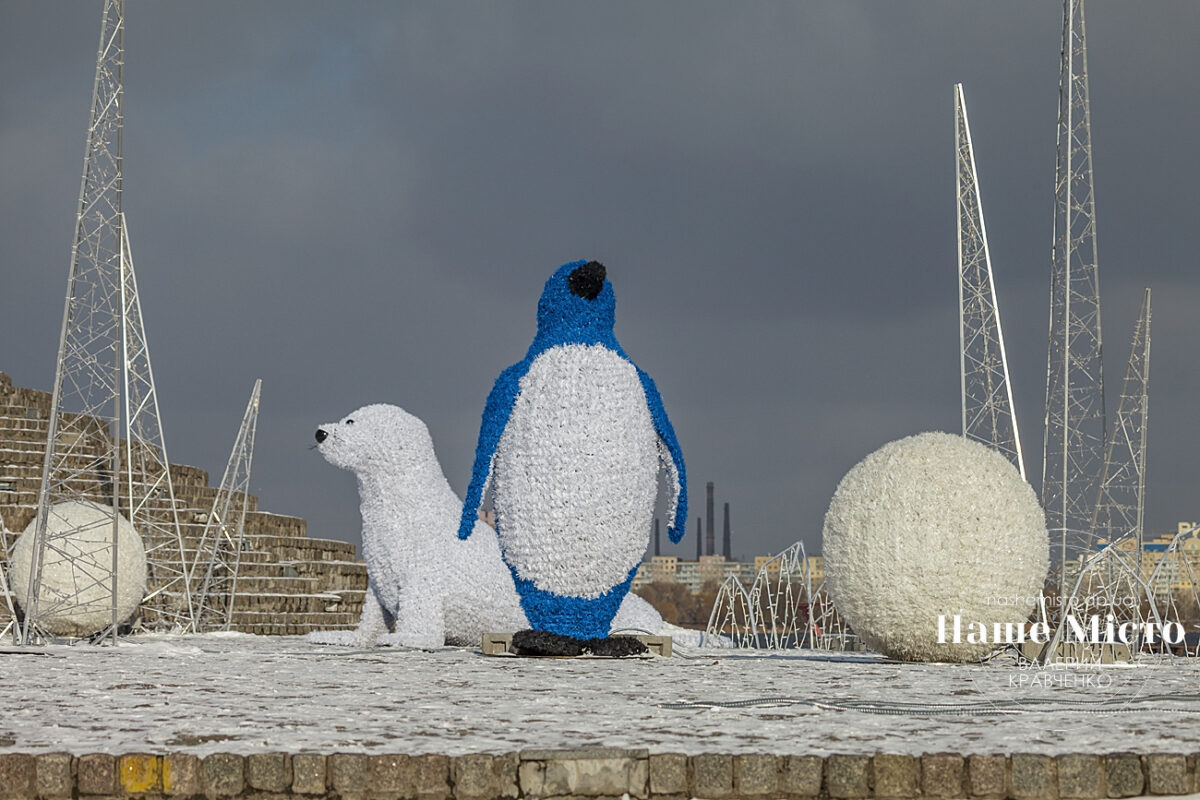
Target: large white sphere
{"x": 934, "y": 524}
{"x": 71, "y": 567}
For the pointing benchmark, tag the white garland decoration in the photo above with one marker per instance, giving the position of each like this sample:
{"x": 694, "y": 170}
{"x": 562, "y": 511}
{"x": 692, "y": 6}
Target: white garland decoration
{"x": 934, "y": 524}
{"x": 70, "y": 569}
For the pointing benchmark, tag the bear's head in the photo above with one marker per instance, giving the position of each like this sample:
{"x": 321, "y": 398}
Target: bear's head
{"x": 376, "y": 438}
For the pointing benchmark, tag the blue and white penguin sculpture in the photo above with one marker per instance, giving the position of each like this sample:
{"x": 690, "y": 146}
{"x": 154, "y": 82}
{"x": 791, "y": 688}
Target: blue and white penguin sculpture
{"x": 571, "y": 441}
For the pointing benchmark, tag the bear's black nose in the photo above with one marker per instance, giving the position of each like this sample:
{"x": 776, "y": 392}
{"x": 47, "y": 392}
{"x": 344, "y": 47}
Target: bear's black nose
{"x": 587, "y": 281}
{"x": 321, "y": 435}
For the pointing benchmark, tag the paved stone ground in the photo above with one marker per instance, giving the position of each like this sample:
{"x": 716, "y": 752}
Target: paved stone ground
{"x": 237, "y": 693}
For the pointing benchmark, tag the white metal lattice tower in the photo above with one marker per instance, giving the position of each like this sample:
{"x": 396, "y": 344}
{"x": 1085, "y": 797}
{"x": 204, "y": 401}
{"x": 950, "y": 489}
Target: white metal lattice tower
{"x": 103, "y": 359}
{"x": 1120, "y": 510}
{"x": 1075, "y": 419}
{"x": 148, "y": 494}
{"x": 988, "y": 414}
{"x": 219, "y": 554}
{"x": 80, "y": 453}
{"x": 1114, "y": 580}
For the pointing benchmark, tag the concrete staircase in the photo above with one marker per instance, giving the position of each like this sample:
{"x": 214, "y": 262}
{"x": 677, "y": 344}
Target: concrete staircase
{"x": 288, "y": 582}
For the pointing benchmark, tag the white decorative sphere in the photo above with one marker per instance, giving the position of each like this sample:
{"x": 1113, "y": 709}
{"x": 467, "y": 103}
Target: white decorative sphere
{"x": 934, "y": 524}
{"x": 75, "y": 586}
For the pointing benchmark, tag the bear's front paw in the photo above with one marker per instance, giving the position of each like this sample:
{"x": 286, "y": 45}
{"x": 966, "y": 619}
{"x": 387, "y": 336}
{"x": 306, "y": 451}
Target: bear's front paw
{"x": 413, "y": 639}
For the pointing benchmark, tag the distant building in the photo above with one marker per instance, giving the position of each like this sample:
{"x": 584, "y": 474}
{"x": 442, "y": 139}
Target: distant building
{"x": 1180, "y": 571}
{"x": 692, "y": 574}
{"x": 765, "y": 561}
{"x": 663, "y": 569}
{"x": 816, "y": 568}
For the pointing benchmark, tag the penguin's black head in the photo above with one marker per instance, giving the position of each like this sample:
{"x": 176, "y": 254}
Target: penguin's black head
{"x": 587, "y": 281}
{"x": 577, "y": 305}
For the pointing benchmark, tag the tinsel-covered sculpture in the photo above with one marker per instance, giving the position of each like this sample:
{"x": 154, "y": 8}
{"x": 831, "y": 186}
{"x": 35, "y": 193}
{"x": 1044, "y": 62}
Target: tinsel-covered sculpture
{"x": 425, "y": 583}
{"x": 928, "y": 528}
{"x": 571, "y": 441}
{"x": 75, "y": 583}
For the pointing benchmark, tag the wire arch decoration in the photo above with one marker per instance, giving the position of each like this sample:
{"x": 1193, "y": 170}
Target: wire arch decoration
{"x": 785, "y": 607}
{"x": 1159, "y": 587}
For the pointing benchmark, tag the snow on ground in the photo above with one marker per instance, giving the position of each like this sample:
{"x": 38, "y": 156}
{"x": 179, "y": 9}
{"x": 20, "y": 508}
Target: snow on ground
{"x": 244, "y": 694}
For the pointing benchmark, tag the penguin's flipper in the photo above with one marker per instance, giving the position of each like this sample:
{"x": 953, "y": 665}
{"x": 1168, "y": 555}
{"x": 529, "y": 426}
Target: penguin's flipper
{"x": 495, "y": 417}
{"x": 676, "y": 472}
{"x": 668, "y": 464}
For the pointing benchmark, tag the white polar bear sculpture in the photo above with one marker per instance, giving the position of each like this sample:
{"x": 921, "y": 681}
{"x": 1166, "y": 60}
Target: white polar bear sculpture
{"x": 425, "y": 583}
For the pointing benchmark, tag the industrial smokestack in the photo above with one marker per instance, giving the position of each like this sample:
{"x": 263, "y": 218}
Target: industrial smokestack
{"x": 710, "y": 529}
{"x": 658, "y": 542}
{"x": 699, "y": 540}
{"x": 727, "y": 544}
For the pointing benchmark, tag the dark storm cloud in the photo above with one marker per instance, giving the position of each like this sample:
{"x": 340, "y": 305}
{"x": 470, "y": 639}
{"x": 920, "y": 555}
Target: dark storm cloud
{"x": 360, "y": 203}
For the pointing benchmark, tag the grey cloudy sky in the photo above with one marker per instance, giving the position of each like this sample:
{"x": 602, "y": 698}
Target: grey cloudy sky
{"x": 359, "y": 202}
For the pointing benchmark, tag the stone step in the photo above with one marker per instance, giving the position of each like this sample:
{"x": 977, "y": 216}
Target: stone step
{"x": 354, "y": 569}
{"x": 294, "y": 548}
{"x": 293, "y": 625}
{"x": 287, "y": 603}
{"x": 273, "y": 584}
{"x": 15, "y": 433}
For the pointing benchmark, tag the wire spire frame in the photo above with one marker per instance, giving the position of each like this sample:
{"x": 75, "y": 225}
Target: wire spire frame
{"x": 219, "y": 554}
{"x": 988, "y": 413}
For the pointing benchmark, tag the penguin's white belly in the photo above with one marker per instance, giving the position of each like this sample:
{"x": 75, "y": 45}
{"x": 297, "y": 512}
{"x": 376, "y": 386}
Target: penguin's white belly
{"x": 576, "y": 472}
